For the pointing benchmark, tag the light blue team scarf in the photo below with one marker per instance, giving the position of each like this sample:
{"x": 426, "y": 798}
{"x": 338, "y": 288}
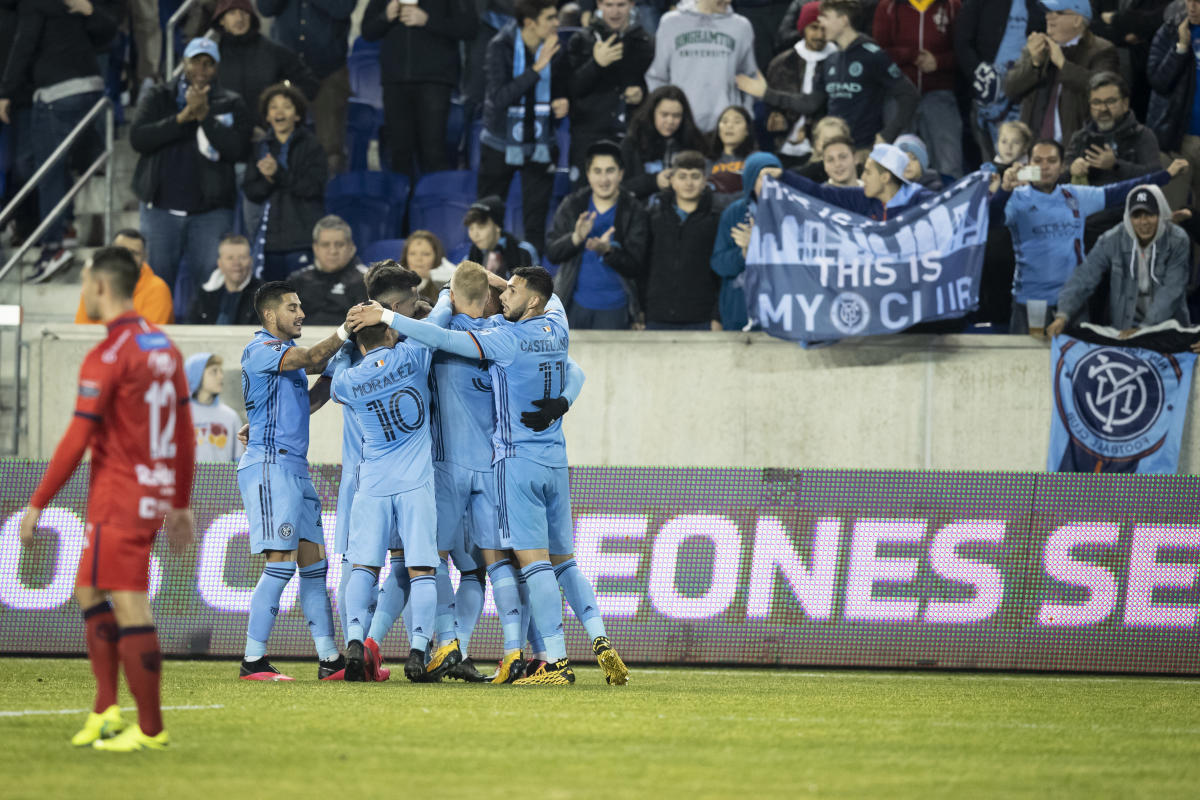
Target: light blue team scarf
{"x": 514, "y": 152}
{"x": 202, "y": 143}
{"x": 260, "y": 237}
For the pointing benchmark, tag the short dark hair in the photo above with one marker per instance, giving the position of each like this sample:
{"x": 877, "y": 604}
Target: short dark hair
{"x": 604, "y": 147}
{"x": 530, "y": 9}
{"x": 129, "y": 233}
{"x": 689, "y": 159}
{"x": 388, "y": 277}
{"x": 847, "y": 8}
{"x": 119, "y": 266}
{"x": 269, "y": 295}
{"x": 846, "y": 140}
{"x": 285, "y": 88}
{"x": 1046, "y": 140}
{"x": 1107, "y": 78}
{"x": 538, "y": 280}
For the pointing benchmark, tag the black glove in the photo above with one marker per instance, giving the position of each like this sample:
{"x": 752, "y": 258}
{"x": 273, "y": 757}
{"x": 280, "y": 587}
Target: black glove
{"x": 550, "y": 409}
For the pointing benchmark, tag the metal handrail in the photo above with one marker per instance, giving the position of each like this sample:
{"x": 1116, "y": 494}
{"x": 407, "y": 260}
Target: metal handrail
{"x": 102, "y": 105}
{"x": 172, "y": 24}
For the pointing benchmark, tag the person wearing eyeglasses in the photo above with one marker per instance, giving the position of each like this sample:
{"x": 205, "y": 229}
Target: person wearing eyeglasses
{"x": 1112, "y": 146}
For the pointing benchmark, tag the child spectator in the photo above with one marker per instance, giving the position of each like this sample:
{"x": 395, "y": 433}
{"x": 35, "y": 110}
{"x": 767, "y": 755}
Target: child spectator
{"x": 499, "y": 251}
{"x": 728, "y": 146}
{"x": 216, "y": 424}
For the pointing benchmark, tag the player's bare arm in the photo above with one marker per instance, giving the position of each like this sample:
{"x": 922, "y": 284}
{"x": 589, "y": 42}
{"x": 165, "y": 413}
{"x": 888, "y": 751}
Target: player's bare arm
{"x": 311, "y": 359}
{"x": 318, "y": 394}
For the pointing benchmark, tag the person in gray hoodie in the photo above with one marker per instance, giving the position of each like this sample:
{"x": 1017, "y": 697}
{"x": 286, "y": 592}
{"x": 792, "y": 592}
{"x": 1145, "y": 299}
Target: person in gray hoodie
{"x": 701, "y": 48}
{"x": 1148, "y": 260}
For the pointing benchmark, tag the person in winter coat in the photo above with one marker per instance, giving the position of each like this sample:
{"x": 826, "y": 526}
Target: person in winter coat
{"x": 227, "y": 297}
{"x": 679, "y": 291}
{"x": 288, "y": 181}
{"x": 608, "y": 62}
{"x": 499, "y": 251}
{"x": 919, "y": 37}
{"x": 1147, "y": 259}
{"x": 250, "y": 62}
{"x": 662, "y": 127}
{"x": 1174, "y": 110}
{"x": 733, "y": 237}
{"x": 988, "y": 39}
{"x": 1050, "y": 80}
{"x": 418, "y": 62}
{"x": 1130, "y": 26}
{"x": 188, "y": 134}
{"x": 794, "y": 72}
{"x": 334, "y": 282}
{"x": 598, "y": 239}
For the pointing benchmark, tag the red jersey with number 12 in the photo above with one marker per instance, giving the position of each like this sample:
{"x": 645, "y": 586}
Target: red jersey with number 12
{"x": 133, "y": 391}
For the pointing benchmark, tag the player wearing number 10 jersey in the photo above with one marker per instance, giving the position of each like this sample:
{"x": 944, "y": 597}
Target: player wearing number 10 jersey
{"x": 132, "y": 410}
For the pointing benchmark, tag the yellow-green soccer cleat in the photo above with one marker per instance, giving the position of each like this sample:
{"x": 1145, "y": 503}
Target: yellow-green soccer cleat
{"x": 557, "y": 674}
{"x": 512, "y": 666}
{"x": 615, "y": 671}
{"x": 445, "y": 657}
{"x": 132, "y": 740}
{"x": 105, "y": 725}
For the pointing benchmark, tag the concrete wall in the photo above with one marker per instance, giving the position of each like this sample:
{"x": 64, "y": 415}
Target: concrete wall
{"x": 725, "y": 399}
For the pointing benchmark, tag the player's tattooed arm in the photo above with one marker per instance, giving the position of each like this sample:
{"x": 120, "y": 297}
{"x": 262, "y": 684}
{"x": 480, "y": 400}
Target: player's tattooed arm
{"x": 311, "y": 359}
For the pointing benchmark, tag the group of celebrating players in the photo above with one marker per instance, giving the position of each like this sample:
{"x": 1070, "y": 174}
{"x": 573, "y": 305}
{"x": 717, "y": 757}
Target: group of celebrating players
{"x": 452, "y": 449}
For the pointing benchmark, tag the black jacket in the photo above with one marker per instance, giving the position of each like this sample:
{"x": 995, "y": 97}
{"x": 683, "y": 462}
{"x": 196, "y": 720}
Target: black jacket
{"x": 512, "y": 253}
{"x": 598, "y": 108}
{"x": 327, "y": 296}
{"x": 679, "y": 287}
{"x": 297, "y": 193}
{"x": 51, "y": 45}
{"x": 1134, "y": 143}
{"x": 206, "y": 306}
{"x": 1173, "y": 80}
{"x": 317, "y": 30}
{"x": 627, "y": 260}
{"x": 252, "y": 62}
{"x": 503, "y": 90}
{"x": 19, "y": 91}
{"x": 979, "y": 29}
{"x": 154, "y": 133}
{"x": 428, "y": 54}
{"x": 644, "y": 184}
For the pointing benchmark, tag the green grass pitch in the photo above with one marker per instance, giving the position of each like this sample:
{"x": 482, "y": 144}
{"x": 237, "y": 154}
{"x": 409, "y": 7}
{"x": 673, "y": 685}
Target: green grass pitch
{"x": 689, "y": 733}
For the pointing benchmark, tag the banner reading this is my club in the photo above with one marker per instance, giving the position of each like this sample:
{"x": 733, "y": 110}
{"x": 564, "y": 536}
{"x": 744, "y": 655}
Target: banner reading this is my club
{"x": 816, "y": 272}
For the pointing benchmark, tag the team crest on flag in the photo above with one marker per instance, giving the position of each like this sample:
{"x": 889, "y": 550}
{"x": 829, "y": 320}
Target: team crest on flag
{"x": 1117, "y": 409}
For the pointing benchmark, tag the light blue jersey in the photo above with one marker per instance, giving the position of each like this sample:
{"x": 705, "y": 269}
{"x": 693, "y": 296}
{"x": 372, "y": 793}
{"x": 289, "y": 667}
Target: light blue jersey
{"x": 276, "y": 406}
{"x": 345, "y": 358}
{"x": 1047, "y": 235}
{"x": 462, "y": 420}
{"x": 389, "y": 393}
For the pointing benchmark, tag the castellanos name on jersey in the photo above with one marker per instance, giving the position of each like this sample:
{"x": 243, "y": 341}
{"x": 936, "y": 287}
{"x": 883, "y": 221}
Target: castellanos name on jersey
{"x": 462, "y": 421}
{"x": 389, "y": 392}
{"x": 276, "y": 405}
{"x": 528, "y": 362}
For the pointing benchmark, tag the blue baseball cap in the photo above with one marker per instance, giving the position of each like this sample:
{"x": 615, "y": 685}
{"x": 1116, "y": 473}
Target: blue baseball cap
{"x": 1081, "y": 7}
{"x": 891, "y": 158}
{"x": 200, "y": 46}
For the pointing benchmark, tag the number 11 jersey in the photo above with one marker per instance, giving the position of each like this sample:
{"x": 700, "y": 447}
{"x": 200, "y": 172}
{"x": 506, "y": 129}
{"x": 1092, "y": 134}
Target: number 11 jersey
{"x": 389, "y": 393}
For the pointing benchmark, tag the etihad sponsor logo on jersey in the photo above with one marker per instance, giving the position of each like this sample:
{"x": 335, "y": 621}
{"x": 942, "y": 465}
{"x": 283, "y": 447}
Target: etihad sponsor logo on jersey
{"x": 158, "y": 475}
{"x": 551, "y": 345}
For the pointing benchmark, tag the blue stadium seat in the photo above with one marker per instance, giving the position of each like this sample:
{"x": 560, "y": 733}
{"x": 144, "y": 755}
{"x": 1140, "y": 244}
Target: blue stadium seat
{"x": 460, "y": 253}
{"x": 366, "y": 85}
{"x": 382, "y": 250}
{"x": 473, "y": 145}
{"x": 456, "y": 122}
{"x": 439, "y": 203}
{"x": 362, "y": 127}
{"x": 373, "y": 203}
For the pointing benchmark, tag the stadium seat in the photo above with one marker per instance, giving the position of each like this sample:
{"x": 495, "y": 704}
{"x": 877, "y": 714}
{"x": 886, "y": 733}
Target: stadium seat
{"x": 373, "y": 203}
{"x": 439, "y": 203}
{"x": 366, "y": 85}
{"x": 382, "y": 250}
{"x": 460, "y": 253}
{"x": 362, "y": 127}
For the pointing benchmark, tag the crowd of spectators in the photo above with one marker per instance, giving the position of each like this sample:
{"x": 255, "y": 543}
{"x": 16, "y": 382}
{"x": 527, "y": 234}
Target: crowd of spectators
{"x": 1080, "y": 109}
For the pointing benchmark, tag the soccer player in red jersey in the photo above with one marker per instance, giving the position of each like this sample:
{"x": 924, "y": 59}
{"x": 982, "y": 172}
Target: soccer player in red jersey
{"x": 132, "y": 411}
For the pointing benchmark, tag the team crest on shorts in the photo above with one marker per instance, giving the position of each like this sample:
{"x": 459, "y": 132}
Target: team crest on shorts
{"x": 286, "y": 530}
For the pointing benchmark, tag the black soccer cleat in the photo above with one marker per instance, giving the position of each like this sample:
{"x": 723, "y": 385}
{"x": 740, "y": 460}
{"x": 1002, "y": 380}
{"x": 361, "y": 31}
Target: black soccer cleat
{"x": 261, "y": 670}
{"x": 356, "y": 662}
{"x": 465, "y": 671}
{"x": 333, "y": 669}
{"x": 414, "y": 667}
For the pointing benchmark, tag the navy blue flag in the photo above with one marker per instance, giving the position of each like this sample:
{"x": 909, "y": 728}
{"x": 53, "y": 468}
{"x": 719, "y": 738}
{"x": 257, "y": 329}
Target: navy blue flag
{"x": 816, "y": 272}
{"x": 1117, "y": 408}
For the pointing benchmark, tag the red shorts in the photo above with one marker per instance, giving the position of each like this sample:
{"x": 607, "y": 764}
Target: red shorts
{"x": 115, "y": 558}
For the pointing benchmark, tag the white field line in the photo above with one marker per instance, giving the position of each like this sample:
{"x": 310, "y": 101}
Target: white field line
{"x": 958, "y": 676}
{"x": 40, "y": 712}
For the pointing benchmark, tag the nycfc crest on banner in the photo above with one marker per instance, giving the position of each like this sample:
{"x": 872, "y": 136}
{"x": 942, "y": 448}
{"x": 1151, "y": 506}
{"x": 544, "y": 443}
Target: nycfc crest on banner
{"x": 817, "y": 273}
{"x": 1117, "y": 409}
